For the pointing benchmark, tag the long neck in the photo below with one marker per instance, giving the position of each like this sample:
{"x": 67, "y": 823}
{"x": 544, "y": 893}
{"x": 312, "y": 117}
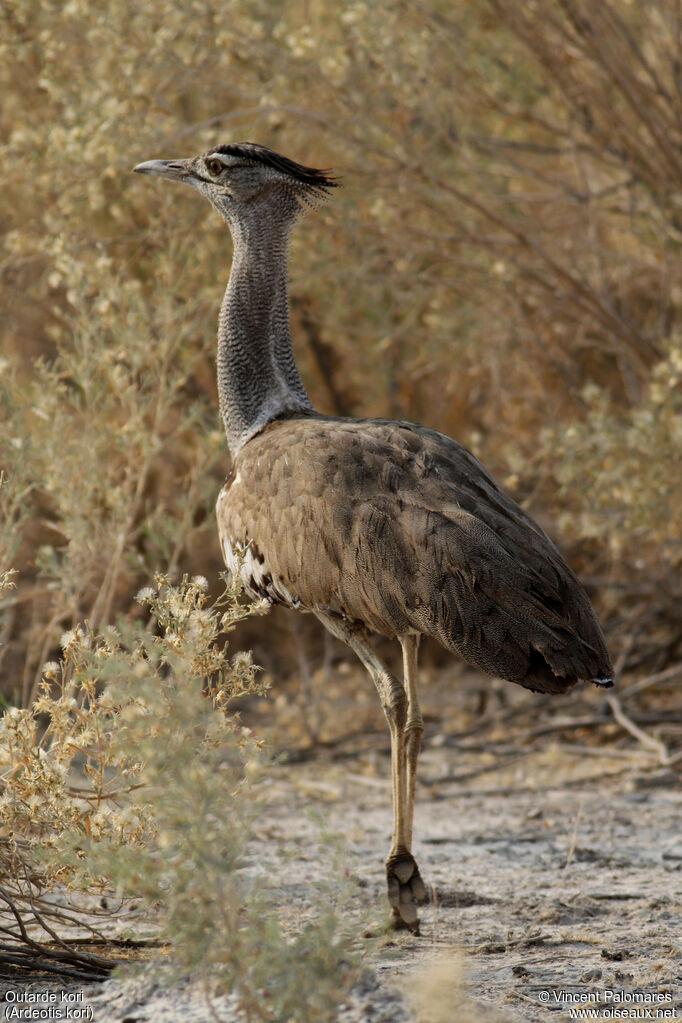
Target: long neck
{"x": 257, "y": 376}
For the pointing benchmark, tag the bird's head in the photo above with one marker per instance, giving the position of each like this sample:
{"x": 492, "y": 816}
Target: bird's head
{"x": 245, "y": 181}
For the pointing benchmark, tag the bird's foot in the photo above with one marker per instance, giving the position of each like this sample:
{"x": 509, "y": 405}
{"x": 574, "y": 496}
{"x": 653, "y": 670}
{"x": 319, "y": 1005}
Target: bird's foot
{"x": 406, "y": 890}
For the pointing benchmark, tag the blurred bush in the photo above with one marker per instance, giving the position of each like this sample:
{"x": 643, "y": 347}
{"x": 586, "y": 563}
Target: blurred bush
{"x": 502, "y": 264}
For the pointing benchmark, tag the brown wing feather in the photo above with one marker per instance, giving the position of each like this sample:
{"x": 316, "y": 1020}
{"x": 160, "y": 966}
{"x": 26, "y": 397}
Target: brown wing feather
{"x": 402, "y": 529}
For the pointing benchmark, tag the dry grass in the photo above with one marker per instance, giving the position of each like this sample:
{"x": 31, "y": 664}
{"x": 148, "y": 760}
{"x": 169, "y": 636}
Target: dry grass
{"x": 438, "y": 993}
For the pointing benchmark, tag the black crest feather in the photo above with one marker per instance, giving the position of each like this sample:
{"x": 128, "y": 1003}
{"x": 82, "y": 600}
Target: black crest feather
{"x": 311, "y": 176}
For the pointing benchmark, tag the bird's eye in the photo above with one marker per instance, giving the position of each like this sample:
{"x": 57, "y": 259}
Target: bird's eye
{"x": 214, "y": 167}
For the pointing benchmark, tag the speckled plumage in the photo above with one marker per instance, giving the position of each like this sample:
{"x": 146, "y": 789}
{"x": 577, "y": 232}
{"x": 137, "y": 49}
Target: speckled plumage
{"x": 402, "y": 529}
{"x": 373, "y": 525}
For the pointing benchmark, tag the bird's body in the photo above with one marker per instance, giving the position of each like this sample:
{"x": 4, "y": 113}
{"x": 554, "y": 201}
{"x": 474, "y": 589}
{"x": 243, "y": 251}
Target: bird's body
{"x": 400, "y": 529}
{"x": 373, "y": 525}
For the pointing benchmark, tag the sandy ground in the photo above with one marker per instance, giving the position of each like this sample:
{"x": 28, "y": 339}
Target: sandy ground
{"x": 556, "y": 888}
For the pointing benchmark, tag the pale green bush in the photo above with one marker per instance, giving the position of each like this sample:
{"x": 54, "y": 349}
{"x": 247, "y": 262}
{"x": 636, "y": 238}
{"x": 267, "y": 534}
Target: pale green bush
{"x": 144, "y": 781}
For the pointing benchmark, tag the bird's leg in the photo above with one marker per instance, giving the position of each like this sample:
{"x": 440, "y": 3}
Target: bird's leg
{"x": 414, "y": 727}
{"x": 405, "y": 886}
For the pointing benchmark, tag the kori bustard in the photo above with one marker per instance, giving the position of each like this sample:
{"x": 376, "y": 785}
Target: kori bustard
{"x": 374, "y": 526}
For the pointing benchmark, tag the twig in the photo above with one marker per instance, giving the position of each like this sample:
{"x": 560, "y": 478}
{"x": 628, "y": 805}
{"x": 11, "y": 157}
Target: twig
{"x": 526, "y": 707}
{"x": 43, "y": 957}
{"x": 512, "y": 742}
{"x": 516, "y": 790}
{"x": 118, "y": 942}
{"x": 511, "y": 758}
{"x": 76, "y": 918}
{"x": 651, "y": 680}
{"x": 588, "y": 751}
{"x": 86, "y": 958}
{"x": 17, "y": 958}
{"x": 25, "y": 937}
{"x": 648, "y": 741}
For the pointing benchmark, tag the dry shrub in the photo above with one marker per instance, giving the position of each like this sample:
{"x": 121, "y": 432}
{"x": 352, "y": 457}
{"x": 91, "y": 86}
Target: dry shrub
{"x": 131, "y": 773}
{"x": 507, "y": 236}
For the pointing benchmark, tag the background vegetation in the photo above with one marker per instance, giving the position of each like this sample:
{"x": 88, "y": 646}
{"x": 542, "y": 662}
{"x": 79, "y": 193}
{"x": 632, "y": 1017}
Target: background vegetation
{"x": 502, "y": 264}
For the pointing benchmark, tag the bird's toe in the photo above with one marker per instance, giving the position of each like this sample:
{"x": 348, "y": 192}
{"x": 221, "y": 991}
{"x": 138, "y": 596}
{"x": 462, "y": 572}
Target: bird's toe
{"x": 418, "y": 888}
{"x": 406, "y": 890}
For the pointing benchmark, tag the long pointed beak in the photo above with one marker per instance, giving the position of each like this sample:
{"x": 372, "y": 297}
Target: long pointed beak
{"x": 175, "y": 170}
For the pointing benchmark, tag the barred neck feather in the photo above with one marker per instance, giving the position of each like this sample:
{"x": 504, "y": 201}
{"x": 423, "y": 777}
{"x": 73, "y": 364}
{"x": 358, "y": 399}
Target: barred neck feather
{"x": 258, "y": 380}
